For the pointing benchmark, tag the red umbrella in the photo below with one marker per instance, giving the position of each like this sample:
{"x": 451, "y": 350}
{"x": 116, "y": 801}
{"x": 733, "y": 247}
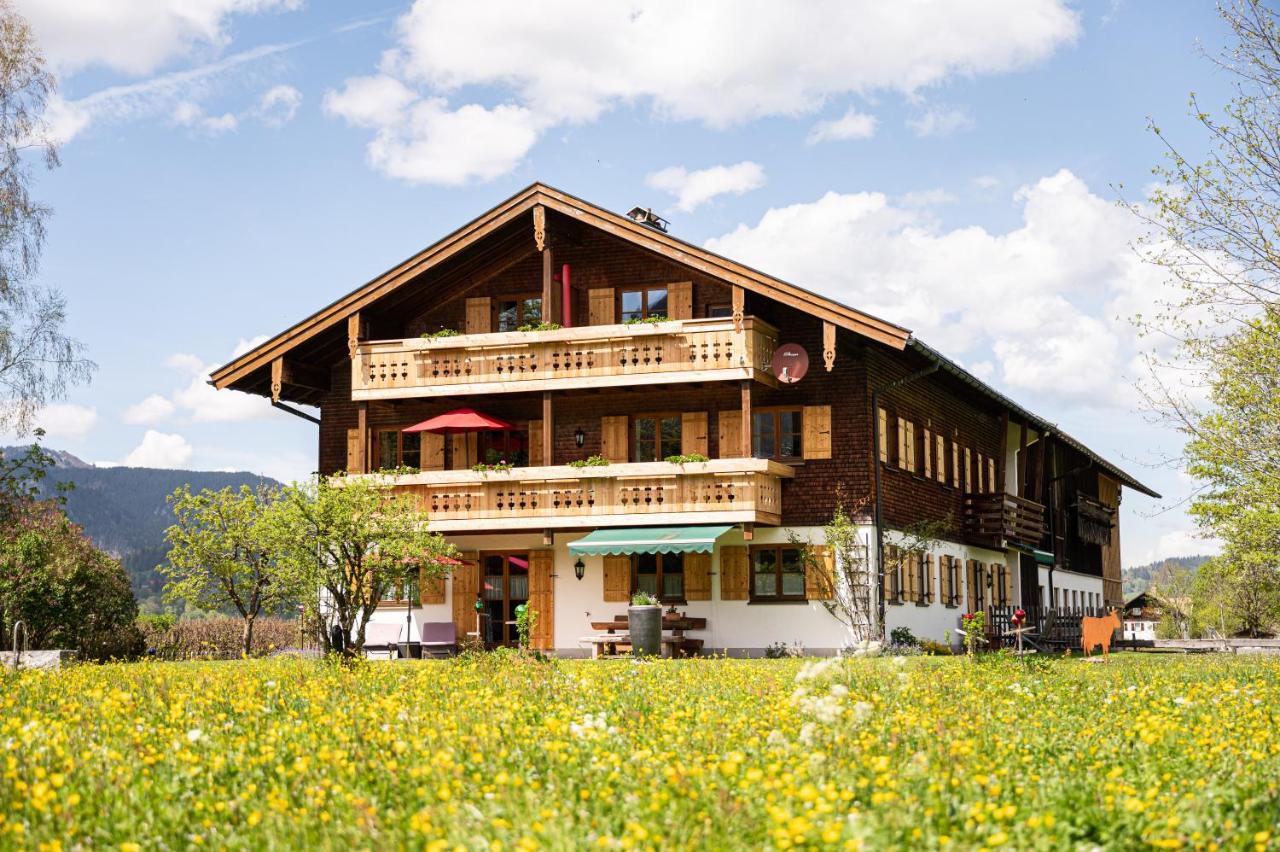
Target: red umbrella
{"x": 458, "y": 421}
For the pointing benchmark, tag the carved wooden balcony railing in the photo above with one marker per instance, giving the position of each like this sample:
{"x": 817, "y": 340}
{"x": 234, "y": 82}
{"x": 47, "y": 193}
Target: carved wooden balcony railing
{"x": 725, "y": 491}
{"x": 587, "y": 356}
{"x": 999, "y": 520}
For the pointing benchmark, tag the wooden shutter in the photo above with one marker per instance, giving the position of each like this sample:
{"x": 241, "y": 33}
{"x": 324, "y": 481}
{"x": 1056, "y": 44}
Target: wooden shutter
{"x": 466, "y": 585}
{"x": 927, "y": 447}
{"x": 971, "y": 582}
{"x": 693, "y": 434}
{"x": 479, "y": 316}
{"x": 697, "y": 576}
{"x": 992, "y": 485}
{"x": 615, "y": 438}
{"x": 968, "y": 471}
{"x": 617, "y": 579}
{"x": 911, "y": 570}
{"x": 816, "y": 431}
{"x": 600, "y": 306}
{"x": 680, "y": 300}
{"x": 944, "y": 579}
{"x": 955, "y": 464}
{"x": 883, "y": 416}
{"x": 902, "y": 443}
{"x": 353, "y": 451}
{"x": 729, "y": 434}
{"x": 542, "y": 598}
{"x": 430, "y": 589}
{"x": 734, "y": 566}
{"x": 432, "y": 453}
{"x": 1008, "y": 585}
{"x": 930, "y": 579}
{"x": 818, "y": 578}
{"x": 462, "y": 447}
{"x": 535, "y": 443}
{"x": 940, "y": 458}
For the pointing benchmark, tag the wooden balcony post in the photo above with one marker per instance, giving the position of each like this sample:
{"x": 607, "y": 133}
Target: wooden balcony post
{"x": 362, "y": 423}
{"x": 746, "y": 420}
{"x": 548, "y": 430}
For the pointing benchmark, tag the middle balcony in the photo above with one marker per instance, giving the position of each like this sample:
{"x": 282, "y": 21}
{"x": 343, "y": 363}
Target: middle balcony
{"x": 663, "y": 352}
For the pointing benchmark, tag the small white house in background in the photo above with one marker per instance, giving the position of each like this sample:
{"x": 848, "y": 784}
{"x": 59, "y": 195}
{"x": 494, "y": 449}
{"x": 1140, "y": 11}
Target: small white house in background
{"x": 1141, "y": 615}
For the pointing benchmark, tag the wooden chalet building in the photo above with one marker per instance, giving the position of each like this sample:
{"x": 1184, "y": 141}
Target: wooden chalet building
{"x": 665, "y": 349}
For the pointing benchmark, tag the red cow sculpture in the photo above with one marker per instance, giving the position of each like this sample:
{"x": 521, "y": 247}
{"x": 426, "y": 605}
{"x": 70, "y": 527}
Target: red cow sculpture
{"x": 1098, "y": 630}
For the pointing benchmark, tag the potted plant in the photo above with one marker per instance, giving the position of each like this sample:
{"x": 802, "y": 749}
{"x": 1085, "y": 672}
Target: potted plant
{"x": 644, "y": 623}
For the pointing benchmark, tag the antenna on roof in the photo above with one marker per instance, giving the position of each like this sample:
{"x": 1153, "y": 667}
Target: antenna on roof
{"x": 645, "y": 216}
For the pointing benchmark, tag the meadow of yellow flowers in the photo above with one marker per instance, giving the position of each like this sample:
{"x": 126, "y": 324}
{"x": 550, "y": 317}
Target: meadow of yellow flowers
{"x": 497, "y": 752}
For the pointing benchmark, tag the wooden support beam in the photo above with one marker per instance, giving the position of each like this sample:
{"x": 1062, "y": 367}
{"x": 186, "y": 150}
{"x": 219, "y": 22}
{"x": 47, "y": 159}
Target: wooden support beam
{"x": 1000, "y": 486}
{"x": 739, "y": 307}
{"x": 746, "y": 420}
{"x": 748, "y": 532}
{"x": 548, "y": 286}
{"x": 357, "y": 330}
{"x": 548, "y": 430}
{"x": 277, "y": 378}
{"x": 540, "y": 226}
{"x": 548, "y": 538}
{"x": 362, "y": 423}
{"x": 829, "y": 345}
{"x": 1022, "y": 459}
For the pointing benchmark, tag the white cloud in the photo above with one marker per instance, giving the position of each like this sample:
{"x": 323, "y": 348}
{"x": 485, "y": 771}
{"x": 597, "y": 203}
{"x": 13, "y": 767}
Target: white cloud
{"x": 188, "y": 114}
{"x": 851, "y": 125}
{"x": 1043, "y": 308}
{"x": 278, "y": 105}
{"x": 152, "y": 410}
{"x": 720, "y": 62}
{"x": 155, "y": 96}
{"x": 67, "y": 421}
{"x": 134, "y": 36}
{"x": 693, "y": 189}
{"x": 986, "y": 181}
{"x": 159, "y": 449}
{"x": 941, "y": 121}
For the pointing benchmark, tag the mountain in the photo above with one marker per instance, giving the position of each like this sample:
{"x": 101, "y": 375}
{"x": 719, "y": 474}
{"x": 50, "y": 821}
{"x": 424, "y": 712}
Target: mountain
{"x": 1137, "y": 579}
{"x": 124, "y": 510}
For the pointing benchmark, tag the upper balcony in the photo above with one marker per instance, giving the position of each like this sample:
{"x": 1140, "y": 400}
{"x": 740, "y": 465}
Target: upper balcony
{"x": 719, "y": 491}
{"x": 1000, "y": 520}
{"x": 695, "y": 350}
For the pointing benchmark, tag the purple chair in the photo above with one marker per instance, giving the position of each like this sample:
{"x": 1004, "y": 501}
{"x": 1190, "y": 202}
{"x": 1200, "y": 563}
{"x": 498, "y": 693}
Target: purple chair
{"x": 439, "y": 638}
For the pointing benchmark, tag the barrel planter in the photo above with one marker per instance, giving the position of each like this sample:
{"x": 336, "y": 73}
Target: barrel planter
{"x": 644, "y": 623}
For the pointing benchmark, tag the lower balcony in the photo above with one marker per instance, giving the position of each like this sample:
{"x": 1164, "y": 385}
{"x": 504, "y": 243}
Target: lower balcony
{"x": 726, "y": 491}
{"x": 1002, "y": 520}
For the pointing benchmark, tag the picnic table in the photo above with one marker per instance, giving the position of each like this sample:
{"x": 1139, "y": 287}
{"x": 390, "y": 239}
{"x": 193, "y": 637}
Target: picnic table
{"x": 675, "y": 645}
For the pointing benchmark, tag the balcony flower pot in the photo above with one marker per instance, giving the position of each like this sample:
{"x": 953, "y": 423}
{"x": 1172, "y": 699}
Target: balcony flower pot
{"x": 644, "y": 623}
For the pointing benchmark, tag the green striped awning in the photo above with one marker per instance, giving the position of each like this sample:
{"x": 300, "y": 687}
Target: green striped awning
{"x": 618, "y": 542}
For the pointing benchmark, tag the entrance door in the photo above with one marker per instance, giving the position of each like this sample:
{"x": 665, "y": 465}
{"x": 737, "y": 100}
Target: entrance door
{"x": 506, "y": 586}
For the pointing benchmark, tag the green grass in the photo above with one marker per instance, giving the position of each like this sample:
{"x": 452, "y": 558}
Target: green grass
{"x": 494, "y": 752}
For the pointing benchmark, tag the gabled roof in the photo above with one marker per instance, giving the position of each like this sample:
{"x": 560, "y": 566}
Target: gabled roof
{"x": 522, "y": 203}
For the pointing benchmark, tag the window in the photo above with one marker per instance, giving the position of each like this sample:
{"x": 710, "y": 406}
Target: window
{"x": 515, "y": 311}
{"x": 656, "y": 437}
{"x": 644, "y": 304}
{"x": 775, "y": 434}
{"x": 777, "y": 574}
{"x": 719, "y": 311}
{"x": 396, "y": 449}
{"x": 659, "y": 574}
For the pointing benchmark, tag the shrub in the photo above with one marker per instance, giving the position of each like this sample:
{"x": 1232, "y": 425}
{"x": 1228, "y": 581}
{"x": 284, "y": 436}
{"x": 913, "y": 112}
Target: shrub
{"x": 590, "y": 461}
{"x": 539, "y": 326}
{"x": 218, "y": 638}
{"x": 643, "y": 599}
{"x": 444, "y": 332}
{"x": 903, "y": 636}
{"x": 935, "y": 649}
{"x": 687, "y": 458}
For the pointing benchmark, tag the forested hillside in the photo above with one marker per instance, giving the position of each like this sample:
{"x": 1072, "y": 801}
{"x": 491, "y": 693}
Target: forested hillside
{"x": 1137, "y": 579}
{"x": 123, "y": 510}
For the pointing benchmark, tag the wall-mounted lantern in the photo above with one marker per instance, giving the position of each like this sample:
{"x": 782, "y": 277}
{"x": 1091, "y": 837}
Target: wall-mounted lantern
{"x": 579, "y": 438}
{"x": 579, "y": 570}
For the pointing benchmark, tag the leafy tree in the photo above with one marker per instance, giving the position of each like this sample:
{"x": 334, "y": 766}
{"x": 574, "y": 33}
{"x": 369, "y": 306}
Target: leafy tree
{"x": 1215, "y": 230}
{"x": 220, "y": 554}
{"x": 351, "y": 541}
{"x": 1171, "y": 587}
{"x": 38, "y": 362}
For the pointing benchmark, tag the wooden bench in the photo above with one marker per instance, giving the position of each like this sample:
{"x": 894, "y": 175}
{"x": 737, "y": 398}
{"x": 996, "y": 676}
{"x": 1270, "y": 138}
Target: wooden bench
{"x": 606, "y": 645}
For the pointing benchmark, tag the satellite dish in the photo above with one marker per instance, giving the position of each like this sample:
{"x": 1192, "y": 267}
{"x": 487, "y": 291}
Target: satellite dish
{"x": 790, "y": 363}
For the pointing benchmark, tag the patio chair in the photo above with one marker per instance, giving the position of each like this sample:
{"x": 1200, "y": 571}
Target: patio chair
{"x": 439, "y": 638}
{"x": 382, "y": 638}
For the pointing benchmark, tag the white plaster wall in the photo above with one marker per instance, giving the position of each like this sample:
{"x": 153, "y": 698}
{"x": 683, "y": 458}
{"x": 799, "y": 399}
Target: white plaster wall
{"x": 1069, "y": 581}
{"x": 1141, "y": 630}
{"x": 934, "y": 620}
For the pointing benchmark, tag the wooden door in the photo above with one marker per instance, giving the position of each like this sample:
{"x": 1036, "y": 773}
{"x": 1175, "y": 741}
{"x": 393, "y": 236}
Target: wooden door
{"x": 466, "y": 585}
{"x": 542, "y": 598}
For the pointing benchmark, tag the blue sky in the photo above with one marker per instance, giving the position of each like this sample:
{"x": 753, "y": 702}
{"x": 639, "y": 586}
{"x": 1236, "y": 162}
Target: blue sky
{"x": 231, "y": 165}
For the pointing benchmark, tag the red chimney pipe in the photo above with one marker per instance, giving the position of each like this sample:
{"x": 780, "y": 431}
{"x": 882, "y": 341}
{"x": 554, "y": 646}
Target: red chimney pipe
{"x": 565, "y": 308}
